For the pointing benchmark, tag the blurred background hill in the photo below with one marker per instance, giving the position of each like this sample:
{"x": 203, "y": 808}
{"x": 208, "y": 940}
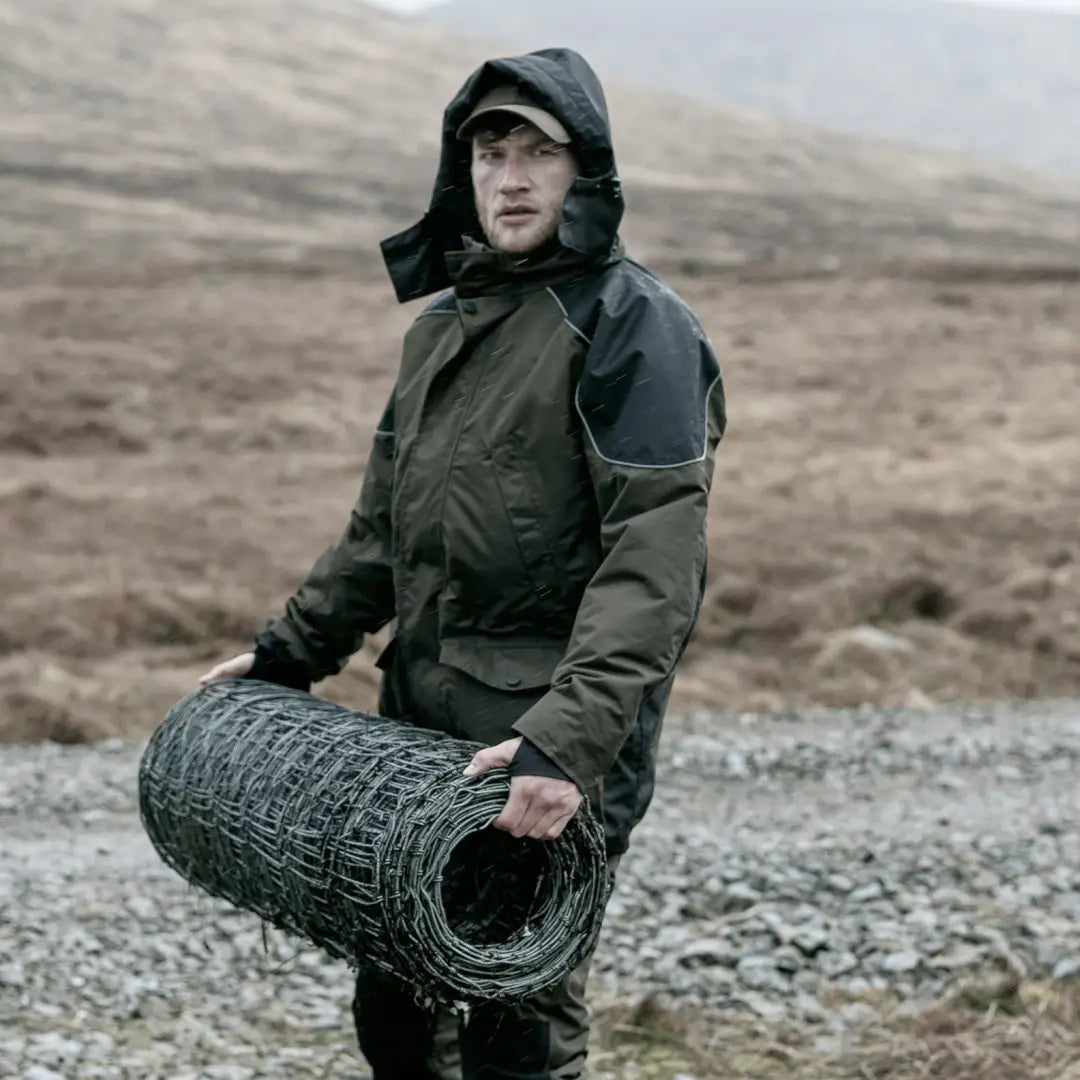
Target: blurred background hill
{"x": 197, "y": 337}
{"x": 990, "y": 80}
{"x": 264, "y": 125}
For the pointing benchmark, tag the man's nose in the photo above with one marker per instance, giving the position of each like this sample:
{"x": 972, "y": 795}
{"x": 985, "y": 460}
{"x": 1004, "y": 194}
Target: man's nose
{"x": 515, "y": 177}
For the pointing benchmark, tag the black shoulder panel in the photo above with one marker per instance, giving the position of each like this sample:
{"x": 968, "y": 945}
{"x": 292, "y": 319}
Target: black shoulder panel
{"x": 649, "y": 373}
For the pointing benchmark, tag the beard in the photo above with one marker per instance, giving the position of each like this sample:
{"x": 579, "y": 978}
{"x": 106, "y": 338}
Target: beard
{"x": 522, "y": 239}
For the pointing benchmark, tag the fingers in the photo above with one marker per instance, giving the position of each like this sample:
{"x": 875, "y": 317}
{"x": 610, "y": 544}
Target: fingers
{"x": 482, "y": 761}
{"x": 513, "y": 814}
{"x": 213, "y": 673}
{"x": 220, "y": 671}
{"x": 551, "y": 826}
{"x": 236, "y": 666}
{"x": 538, "y": 807}
{"x": 493, "y": 757}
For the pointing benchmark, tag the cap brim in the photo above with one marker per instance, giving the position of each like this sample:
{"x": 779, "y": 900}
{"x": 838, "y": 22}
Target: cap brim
{"x": 538, "y": 117}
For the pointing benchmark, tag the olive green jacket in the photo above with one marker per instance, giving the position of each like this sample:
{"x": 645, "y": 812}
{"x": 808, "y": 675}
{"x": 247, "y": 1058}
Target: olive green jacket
{"x": 533, "y": 515}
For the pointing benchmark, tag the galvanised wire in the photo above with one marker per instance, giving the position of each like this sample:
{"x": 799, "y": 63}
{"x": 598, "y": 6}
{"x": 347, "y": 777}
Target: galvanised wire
{"x": 360, "y": 834}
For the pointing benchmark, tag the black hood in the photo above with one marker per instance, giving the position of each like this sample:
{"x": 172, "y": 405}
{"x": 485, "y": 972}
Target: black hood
{"x": 560, "y": 81}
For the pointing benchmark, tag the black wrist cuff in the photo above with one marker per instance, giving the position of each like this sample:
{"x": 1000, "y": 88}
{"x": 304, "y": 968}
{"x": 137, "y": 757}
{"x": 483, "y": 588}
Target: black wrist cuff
{"x": 274, "y": 665}
{"x": 530, "y": 760}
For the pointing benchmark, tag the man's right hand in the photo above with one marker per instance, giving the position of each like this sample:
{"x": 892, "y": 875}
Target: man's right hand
{"x": 235, "y": 668}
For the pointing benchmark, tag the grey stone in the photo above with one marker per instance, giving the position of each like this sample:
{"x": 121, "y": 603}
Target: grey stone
{"x": 949, "y": 781}
{"x": 759, "y": 973}
{"x": 716, "y": 980}
{"x": 1068, "y": 967}
{"x": 735, "y": 765}
{"x": 52, "y": 1048}
{"x": 788, "y": 959}
{"x": 13, "y": 975}
{"x": 832, "y": 964}
{"x": 922, "y": 918}
{"x": 898, "y": 963}
{"x": 957, "y": 958}
{"x": 143, "y": 908}
{"x": 862, "y": 894}
{"x": 708, "y": 951}
{"x": 228, "y": 1072}
{"x": 810, "y": 941}
{"x": 740, "y": 896}
{"x": 761, "y": 1005}
{"x": 1033, "y": 887}
{"x": 948, "y": 896}
{"x": 806, "y": 981}
{"x": 99, "y": 1043}
{"x": 809, "y": 1009}
{"x": 857, "y": 1014}
{"x": 161, "y": 949}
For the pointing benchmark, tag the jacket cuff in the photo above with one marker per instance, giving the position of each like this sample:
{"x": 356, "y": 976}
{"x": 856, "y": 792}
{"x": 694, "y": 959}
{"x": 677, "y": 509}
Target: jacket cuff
{"x": 273, "y": 664}
{"x": 530, "y": 760}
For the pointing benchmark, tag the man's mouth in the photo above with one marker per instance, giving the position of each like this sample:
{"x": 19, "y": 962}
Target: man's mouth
{"x": 517, "y": 215}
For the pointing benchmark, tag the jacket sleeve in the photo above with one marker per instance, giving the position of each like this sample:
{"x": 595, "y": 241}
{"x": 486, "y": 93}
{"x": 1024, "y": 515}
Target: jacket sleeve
{"x": 350, "y": 589}
{"x": 651, "y": 404}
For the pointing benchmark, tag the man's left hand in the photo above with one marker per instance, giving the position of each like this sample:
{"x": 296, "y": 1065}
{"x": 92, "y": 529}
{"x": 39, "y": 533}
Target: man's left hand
{"x": 539, "y": 807}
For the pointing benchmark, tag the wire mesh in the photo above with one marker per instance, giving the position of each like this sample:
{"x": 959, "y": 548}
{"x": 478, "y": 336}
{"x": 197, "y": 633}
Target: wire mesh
{"x": 360, "y": 834}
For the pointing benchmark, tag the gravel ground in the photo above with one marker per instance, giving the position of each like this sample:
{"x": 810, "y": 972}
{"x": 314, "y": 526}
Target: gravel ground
{"x": 788, "y": 865}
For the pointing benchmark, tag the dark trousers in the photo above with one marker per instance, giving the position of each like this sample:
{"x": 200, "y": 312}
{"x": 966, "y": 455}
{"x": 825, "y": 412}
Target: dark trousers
{"x": 546, "y": 1038}
{"x": 399, "y": 1040}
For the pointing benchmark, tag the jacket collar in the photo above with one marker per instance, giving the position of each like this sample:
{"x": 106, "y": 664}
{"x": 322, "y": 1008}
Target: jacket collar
{"x": 478, "y": 270}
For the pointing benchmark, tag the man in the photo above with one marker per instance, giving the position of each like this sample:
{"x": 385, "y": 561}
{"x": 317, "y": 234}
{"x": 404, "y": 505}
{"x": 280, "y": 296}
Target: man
{"x": 532, "y": 517}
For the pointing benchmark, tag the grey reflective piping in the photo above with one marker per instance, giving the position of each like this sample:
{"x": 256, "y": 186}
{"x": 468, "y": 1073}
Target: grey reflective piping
{"x": 566, "y": 317}
{"x": 385, "y": 434}
{"x": 634, "y": 464}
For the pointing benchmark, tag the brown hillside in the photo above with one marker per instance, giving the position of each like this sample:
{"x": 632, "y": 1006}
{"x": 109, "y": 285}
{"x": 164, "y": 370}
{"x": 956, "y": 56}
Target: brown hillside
{"x": 196, "y": 340}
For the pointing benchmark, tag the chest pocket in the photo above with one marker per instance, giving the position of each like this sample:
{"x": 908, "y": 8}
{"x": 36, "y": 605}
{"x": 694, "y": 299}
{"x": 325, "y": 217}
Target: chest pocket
{"x": 500, "y": 568}
{"x": 520, "y": 491}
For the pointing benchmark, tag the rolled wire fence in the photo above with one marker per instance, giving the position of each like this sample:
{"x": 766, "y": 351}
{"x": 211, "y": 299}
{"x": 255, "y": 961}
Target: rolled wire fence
{"x": 361, "y": 835}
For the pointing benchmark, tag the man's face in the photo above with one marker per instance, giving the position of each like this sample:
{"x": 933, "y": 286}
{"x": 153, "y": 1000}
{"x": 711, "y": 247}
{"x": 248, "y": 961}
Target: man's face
{"x": 520, "y": 181}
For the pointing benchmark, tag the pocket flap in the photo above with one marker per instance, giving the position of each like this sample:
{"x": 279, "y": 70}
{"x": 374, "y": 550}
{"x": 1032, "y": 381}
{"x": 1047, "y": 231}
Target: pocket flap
{"x": 503, "y": 665}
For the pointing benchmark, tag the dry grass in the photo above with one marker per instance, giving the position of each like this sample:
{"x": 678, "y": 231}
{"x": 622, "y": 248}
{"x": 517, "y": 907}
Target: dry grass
{"x": 1009, "y": 1033}
{"x": 179, "y": 443}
